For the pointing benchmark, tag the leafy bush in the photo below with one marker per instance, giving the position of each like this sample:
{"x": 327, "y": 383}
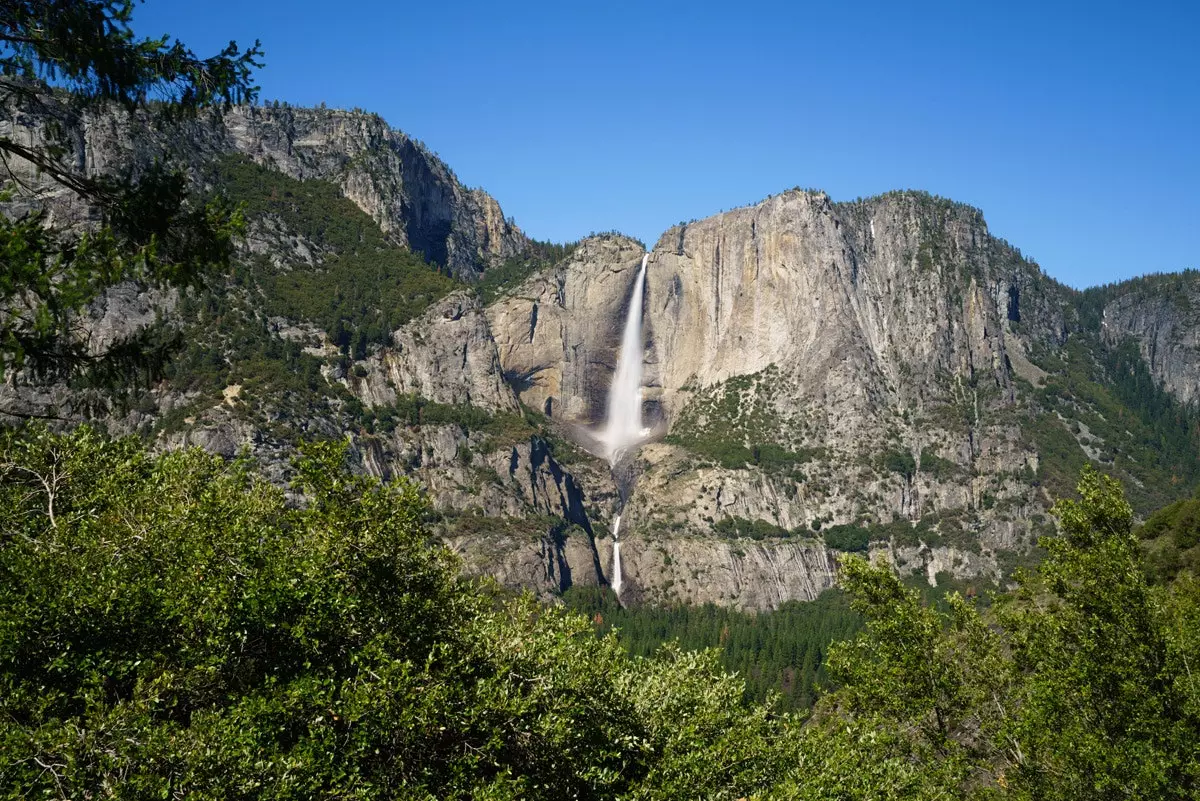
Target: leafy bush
{"x": 847, "y": 537}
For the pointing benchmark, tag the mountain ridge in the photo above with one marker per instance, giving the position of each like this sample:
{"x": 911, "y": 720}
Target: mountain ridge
{"x": 879, "y": 374}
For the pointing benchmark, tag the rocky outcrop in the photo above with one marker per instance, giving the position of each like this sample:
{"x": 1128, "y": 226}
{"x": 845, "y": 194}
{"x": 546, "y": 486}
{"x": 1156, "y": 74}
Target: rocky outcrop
{"x": 547, "y": 564}
{"x": 416, "y": 199}
{"x": 743, "y": 574}
{"x": 1163, "y": 318}
{"x": 447, "y": 355}
{"x": 559, "y": 333}
{"x": 411, "y": 193}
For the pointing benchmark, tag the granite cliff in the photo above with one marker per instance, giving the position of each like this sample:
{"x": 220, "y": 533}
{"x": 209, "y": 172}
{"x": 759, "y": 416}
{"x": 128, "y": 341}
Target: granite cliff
{"x": 412, "y": 195}
{"x": 818, "y": 367}
{"x": 1159, "y": 316}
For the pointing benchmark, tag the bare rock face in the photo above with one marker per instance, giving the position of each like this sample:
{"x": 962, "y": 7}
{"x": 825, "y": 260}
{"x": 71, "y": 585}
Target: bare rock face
{"x": 124, "y": 310}
{"x": 547, "y": 564}
{"x": 411, "y": 193}
{"x": 849, "y": 299}
{"x": 446, "y": 355}
{"x": 742, "y": 574}
{"x": 416, "y": 199}
{"x": 1163, "y": 319}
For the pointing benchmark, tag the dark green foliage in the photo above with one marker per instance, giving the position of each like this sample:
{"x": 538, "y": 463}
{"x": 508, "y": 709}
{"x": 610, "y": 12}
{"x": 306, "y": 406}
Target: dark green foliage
{"x": 364, "y": 288}
{"x": 735, "y": 425}
{"x": 512, "y": 272}
{"x": 361, "y": 290}
{"x": 847, "y": 537}
{"x": 899, "y": 462}
{"x": 779, "y": 652}
{"x": 932, "y": 530}
{"x": 740, "y": 527}
{"x": 937, "y": 467}
{"x": 227, "y": 343}
{"x": 173, "y": 627}
{"x": 1059, "y": 454}
{"x": 504, "y": 429}
{"x": 315, "y": 210}
{"x": 1176, "y": 288}
{"x": 1171, "y": 540}
{"x": 1079, "y": 686}
{"x": 1138, "y": 429}
{"x": 89, "y": 46}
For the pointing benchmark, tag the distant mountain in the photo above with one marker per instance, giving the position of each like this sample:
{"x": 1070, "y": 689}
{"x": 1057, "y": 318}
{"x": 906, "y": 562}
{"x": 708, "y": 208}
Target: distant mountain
{"x": 879, "y": 375}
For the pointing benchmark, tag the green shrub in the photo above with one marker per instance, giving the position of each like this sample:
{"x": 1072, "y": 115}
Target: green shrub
{"x": 847, "y": 537}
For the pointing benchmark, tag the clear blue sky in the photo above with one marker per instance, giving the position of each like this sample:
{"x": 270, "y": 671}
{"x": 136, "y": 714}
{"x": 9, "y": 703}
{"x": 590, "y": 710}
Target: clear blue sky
{"x": 1074, "y": 126}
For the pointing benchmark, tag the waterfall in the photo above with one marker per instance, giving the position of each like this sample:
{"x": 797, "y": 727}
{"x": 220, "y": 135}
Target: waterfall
{"x": 623, "y": 428}
{"x": 616, "y": 565}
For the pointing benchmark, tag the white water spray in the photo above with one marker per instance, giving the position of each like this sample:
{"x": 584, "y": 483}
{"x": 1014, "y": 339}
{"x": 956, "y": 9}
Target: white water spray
{"x": 623, "y": 428}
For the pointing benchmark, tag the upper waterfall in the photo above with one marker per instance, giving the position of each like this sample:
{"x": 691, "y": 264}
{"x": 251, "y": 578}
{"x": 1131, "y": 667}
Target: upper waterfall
{"x": 623, "y": 428}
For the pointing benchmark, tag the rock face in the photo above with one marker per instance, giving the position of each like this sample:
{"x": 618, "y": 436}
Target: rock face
{"x": 745, "y": 575}
{"x": 447, "y": 355}
{"x": 874, "y": 303}
{"x": 1163, "y": 318}
{"x": 412, "y": 194}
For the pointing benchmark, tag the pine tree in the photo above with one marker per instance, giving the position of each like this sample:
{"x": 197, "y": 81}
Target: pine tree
{"x": 59, "y": 60}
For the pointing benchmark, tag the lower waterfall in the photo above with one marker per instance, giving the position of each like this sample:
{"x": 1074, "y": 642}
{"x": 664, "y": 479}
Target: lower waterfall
{"x": 616, "y": 563}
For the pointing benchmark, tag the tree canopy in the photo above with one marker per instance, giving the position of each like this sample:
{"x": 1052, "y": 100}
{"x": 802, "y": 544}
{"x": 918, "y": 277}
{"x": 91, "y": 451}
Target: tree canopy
{"x": 173, "y": 625}
{"x": 1078, "y": 685}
